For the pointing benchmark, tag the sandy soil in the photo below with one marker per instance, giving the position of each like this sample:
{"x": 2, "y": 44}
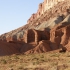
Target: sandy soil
{"x": 42, "y": 61}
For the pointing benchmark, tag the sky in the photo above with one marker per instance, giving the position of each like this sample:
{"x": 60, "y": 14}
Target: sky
{"x": 15, "y": 13}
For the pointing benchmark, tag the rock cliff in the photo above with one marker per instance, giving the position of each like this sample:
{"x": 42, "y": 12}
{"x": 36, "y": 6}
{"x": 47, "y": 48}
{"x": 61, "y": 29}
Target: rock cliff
{"x": 46, "y": 30}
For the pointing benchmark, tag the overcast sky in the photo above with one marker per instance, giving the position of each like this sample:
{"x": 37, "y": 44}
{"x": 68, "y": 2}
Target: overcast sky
{"x": 15, "y": 13}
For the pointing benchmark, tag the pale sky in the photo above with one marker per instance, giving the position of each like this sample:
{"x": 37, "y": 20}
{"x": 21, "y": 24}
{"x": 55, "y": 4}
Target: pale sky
{"x": 15, "y": 13}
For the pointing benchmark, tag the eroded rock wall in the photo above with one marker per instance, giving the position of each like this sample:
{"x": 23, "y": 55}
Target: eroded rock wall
{"x": 33, "y": 35}
{"x": 43, "y": 7}
{"x": 60, "y": 37}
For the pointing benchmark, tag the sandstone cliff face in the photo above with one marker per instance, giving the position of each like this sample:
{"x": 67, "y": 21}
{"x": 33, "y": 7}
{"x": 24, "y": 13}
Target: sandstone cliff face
{"x": 48, "y": 20}
{"x": 43, "y": 7}
{"x": 59, "y": 35}
{"x": 33, "y": 35}
{"x": 47, "y": 30}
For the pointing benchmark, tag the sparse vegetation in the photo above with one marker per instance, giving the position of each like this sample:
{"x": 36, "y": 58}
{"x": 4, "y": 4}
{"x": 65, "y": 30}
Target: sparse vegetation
{"x": 3, "y": 61}
{"x": 42, "y": 61}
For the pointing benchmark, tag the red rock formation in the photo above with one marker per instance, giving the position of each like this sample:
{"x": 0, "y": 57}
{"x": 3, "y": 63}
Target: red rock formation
{"x": 33, "y": 16}
{"x": 43, "y": 46}
{"x": 26, "y": 47}
{"x": 43, "y": 7}
{"x": 9, "y": 48}
{"x": 33, "y": 35}
{"x": 37, "y": 41}
{"x": 59, "y": 36}
{"x": 40, "y": 10}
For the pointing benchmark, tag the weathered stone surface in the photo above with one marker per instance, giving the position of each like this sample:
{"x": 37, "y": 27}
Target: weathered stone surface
{"x": 59, "y": 36}
{"x": 43, "y": 46}
{"x": 48, "y": 29}
{"x": 43, "y": 7}
{"x": 58, "y": 10}
{"x": 9, "y": 48}
{"x": 26, "y": 47}
{"x": 31, "y": 18}
{"x": 33, "y": 35}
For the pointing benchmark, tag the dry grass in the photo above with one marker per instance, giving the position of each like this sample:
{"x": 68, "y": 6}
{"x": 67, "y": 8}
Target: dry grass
{"x": 42, "y": 61}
